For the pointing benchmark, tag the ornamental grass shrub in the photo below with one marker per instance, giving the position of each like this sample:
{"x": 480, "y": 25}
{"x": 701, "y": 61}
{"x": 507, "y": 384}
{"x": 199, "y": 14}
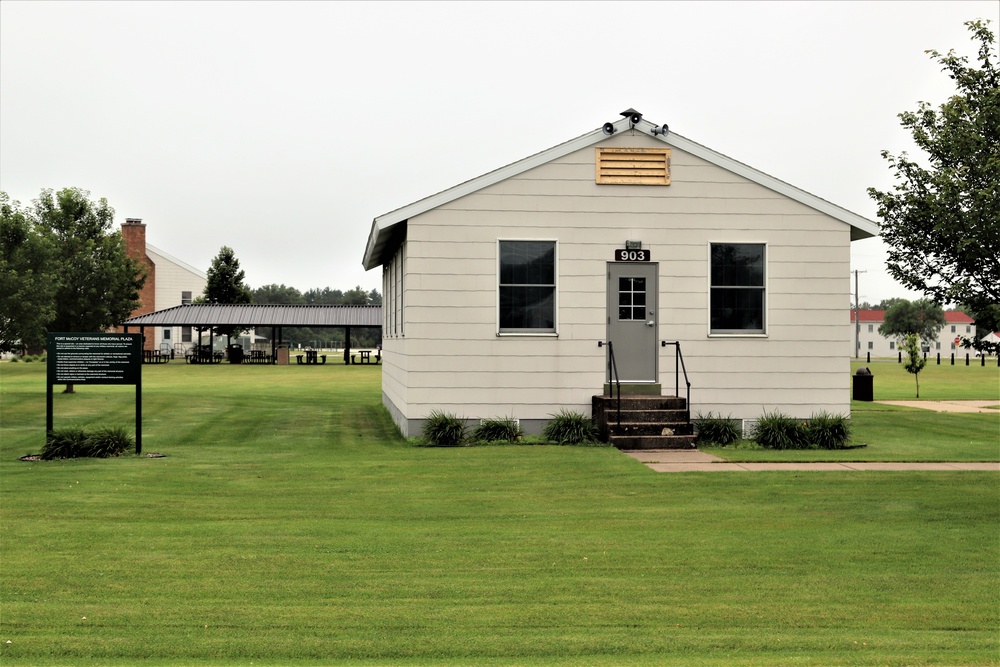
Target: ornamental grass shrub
{"x": 444, "y": 430}
{"x": 499, "y": 429}
{"x": 101, "y": 443}
{"x": 713, "y": 429}
{"x": 570, "y": 428}
{"x": 821, "y": 431}
{"x": 828, "y": 431}
{"x": 777, "y": 431}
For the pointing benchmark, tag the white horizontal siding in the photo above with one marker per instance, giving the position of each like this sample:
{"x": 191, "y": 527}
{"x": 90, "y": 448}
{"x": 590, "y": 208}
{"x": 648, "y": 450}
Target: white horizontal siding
{"x": 454, "y": 361}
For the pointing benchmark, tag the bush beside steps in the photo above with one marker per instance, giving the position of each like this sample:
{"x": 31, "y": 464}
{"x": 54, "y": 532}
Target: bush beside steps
{"x": 565, "y": 428}
{"x": 776, "y": 431}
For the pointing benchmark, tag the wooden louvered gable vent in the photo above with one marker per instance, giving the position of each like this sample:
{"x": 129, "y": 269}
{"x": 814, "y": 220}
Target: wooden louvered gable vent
{"x": 633, "y": 166}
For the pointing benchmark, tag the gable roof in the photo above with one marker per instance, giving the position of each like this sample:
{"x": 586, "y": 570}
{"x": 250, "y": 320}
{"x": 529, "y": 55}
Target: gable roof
{"x": 170, "y": 258}
{"x": 387, "y": 228}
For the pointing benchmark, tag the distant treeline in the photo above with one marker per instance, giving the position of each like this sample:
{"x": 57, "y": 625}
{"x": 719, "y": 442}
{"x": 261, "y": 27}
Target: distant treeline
{"x": 321, "y": 337}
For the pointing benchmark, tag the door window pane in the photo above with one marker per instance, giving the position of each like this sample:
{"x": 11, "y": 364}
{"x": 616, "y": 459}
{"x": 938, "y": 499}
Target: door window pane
{"x": 631, "y": 299}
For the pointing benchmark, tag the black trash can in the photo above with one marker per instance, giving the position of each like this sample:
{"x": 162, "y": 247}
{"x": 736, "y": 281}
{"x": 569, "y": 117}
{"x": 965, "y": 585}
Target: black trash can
{"x": 236, "y": 353}
{"x": 864, "y": 389}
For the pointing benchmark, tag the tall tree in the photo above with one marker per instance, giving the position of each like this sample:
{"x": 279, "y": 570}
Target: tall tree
{"x": 225, "y": 285}
{"x": 97, "y": 283}
{"x": 324, "y": 297}
{"x": 355, "y": 297}
{"x": 277, "y": 294}
{"x": 922, "y": 318}
{"x": 942, "y": 221}
{"x": 27, "y": 288}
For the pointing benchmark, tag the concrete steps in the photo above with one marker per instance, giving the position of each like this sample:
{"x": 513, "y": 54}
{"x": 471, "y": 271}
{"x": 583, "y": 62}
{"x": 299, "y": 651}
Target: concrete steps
{"x": 647, "y": 422}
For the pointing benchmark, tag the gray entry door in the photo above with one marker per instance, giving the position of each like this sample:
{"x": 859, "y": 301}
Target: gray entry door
{"x": 632, "y": 325}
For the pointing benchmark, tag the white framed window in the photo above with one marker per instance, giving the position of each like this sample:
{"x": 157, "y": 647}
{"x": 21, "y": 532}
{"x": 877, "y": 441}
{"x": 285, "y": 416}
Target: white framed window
{"x": 937, "y": 346}
{"x": 871, "y": 328}
{"x": 892, "y": 345}
{"x": 526, "y": 286}
{"x": 185, "y": 298}
{"x": 871, "y": 345}
{"x": 737, "y": 301}
{"x": 953, "y": 328}
{"x": 185, "y": 334}
{"x": 166, "y": 334}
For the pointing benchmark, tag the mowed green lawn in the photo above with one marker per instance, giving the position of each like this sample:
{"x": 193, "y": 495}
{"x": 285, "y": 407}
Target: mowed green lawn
{"x": 290, "y": 524}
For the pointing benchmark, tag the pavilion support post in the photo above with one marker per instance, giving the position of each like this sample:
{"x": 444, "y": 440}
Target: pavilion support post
{"x": 347, "y": 345}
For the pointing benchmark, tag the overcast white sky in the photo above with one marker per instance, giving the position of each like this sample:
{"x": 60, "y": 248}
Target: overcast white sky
{"x": 283, "y": 129}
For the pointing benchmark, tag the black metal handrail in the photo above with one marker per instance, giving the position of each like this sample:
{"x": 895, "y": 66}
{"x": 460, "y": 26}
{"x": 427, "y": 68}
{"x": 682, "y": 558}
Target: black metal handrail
{"x": 678, "y": 367}
{"x": 613, "y": 374}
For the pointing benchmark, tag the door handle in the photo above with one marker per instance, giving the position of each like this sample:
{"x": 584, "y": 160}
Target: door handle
{"x": 650, "y": 323}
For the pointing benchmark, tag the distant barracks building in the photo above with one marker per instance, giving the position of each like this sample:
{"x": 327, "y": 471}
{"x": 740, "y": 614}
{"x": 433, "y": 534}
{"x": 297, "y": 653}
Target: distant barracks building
{"x": 959, "y": 325}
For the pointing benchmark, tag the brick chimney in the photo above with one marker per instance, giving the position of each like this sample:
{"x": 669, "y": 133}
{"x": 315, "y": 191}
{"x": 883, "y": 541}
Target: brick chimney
{"x": 134, "y": 235}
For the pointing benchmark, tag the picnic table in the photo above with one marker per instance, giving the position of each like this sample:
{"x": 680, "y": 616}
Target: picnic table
{"x": 155, "y": 357}
{"x": 201, "y": 354}
{"x": 366, "y": 357}
{"x": 312, "y": 357}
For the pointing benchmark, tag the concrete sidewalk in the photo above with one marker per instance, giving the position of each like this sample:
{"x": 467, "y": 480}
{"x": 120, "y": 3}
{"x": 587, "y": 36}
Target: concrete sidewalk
{"x": 692, "y": 460}
{"x": 948, "y": 406}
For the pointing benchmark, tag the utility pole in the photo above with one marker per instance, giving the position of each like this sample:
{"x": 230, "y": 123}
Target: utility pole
{"x": 857, "y": 318}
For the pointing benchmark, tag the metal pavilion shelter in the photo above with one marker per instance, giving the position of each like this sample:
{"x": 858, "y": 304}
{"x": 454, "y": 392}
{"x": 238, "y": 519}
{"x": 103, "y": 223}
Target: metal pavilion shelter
{"x": 203, "y": 316}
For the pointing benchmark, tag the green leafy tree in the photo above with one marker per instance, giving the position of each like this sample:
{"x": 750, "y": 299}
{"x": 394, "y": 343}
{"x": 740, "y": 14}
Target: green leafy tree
{"x": 324, "y": 297}
{"x": 97, "y": 283}
{"x": 27, "y": 288}
{"x": 225, "y": 285}
{"x": 942, "y": 219}
{"x": 92, "y": 283}
{"x": 923, "y": 318}
{"x": 915, "y": 361}
{"x": 886, "y": 304}
{"x": 277, "y": 294}
{"x": 355, "y": 297}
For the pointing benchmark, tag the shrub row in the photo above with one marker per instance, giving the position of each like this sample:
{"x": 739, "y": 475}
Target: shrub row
{"x": 777, "y": 431}
{"x": 101, "y": 443}
{"x": 565, "y": 428}
{"x": 28, "y": 359}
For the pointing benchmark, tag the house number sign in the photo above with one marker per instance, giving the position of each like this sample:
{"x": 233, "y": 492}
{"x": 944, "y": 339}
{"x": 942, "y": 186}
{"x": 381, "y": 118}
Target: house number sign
{"x": 626, "y": 255}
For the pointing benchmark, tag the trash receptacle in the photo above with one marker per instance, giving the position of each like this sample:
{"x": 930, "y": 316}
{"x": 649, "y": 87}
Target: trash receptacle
{"x": 864, "y": 389}
{"x": 236, "y": 353}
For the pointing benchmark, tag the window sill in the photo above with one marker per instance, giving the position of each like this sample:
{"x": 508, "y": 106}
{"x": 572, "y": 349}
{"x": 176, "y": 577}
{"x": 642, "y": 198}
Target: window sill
{"x": 737, "y": 335}
{"x": 528, "y": 334}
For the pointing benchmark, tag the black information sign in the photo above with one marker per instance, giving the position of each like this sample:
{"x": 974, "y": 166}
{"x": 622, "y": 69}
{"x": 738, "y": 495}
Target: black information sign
{"x": 91, "y": 358}
{"x": 95, "y": 358}
{"x": 632, "y": 255}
